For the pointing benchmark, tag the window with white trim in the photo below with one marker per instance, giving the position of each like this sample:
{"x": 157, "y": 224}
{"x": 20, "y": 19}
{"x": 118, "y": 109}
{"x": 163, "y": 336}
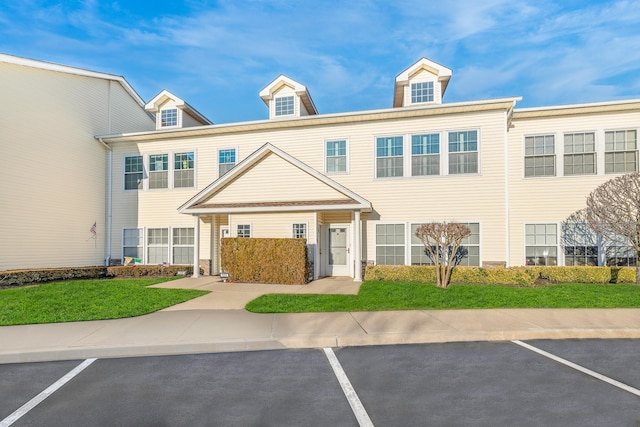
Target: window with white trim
{"x": 133, "y": 243}
{"x": 425, "y": 154}
{"x": 158, "y": 171}
{"x": 157, "y": 245}
{"x": 133, "y": 172}
{"x": 183, "y": 245}
{"x": 336, "y": 156}
{"x": 243, "y": 230}
{"x": 541, "y": 244}
{"x": 421, "y": 92}
{"x": 389, "y": 156}
{"x": 299, "y": 230}
{"x": 539, "y": 155}
{"x": 470, "y": 245}
{"x": 580, "y": 244}
{"x": 621, "y": 155}
{"x": 183, "y": 170}
{"x": 463, "y": 152}
{"x": 390, "y": 244}
{"x": 284, "y": 106}
{"x": 580, "y": 153}
{"x": 226, "y": 160}
{"x": 169, "y": 117}
{"x": 620, "y": 255}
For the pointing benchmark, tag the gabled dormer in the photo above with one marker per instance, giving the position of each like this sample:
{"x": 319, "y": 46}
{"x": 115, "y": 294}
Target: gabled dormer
{"x": 422, "y": 83}
{"x": 287, "y": 98}
{"x": 173, "y": 113}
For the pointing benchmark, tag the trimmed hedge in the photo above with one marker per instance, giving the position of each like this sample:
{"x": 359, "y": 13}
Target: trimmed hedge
{"x": 521, "y": 276}
{"x": 262, "y": 260}
{"x": 14, "y": 278}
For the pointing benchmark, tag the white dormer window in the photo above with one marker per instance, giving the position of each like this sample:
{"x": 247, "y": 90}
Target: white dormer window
{"x": 421, "y": 92}
{"x": 284, "y": 106}
{"x": 169, "y": 117}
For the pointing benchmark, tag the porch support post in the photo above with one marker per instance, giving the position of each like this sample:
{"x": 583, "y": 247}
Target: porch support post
{"x": 357, "y": 277}
{"x": 196, "y": 247}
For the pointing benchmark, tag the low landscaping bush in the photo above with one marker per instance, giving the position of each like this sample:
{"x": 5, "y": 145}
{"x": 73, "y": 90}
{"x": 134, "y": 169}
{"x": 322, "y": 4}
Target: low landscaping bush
{"x": 15, "y": 278}
{"x": 520, "y": 276}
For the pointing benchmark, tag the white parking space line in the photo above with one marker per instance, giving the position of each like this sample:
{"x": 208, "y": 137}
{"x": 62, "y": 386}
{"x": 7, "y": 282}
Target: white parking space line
{"x": 24, "y": 409}
{"x": 347, "y": 388}
{"x": 582, "y": 369}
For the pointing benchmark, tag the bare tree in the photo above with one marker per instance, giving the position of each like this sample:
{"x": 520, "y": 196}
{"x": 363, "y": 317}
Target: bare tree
{"x": 613, "y": 211}
{"x": 442, "y": 241}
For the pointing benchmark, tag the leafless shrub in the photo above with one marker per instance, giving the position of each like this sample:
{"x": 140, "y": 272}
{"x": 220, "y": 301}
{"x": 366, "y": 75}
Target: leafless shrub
{"x": 442, "y": 241}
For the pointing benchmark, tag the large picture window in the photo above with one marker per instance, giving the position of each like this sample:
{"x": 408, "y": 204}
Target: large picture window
{"x": 539, "y": 155}
{"x": 425, "y": 154}
{"x": 621, "y": 155}
{"x": 390, "y": 244}
{"x": 463, "y": 152}
{"x": 389, "y": 158}
{"x": 470, "y": 246}
{"x": 580, "y": 244}
{"x": 579, "y": 153}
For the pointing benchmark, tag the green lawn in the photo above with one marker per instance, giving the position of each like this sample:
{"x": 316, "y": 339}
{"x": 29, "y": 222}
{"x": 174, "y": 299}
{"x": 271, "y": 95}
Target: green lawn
{"x": 413, "y": 296}
{"x": 87, "y": 300}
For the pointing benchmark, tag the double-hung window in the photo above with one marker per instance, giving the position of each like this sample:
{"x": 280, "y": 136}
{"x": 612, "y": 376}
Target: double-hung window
{"x": 425, "y": 154}
{"x": 169, "y": 117}
{"x": 226, "y": 160}
{"x": 621, "y": 153}
{"x": 284, "y": 106}
{"x": 579, "y": 153}
{"x": 133, "y": 172}
{"x": 159, "y": 171}
{"x": 469, "y": 250}
{"x": 580, "y": 244}
{"x": 133, "y": 243}
{"x": 463, "y": 152}
{"x": 157, "y": 245}
{"x": 390, "y": 244}
{"x": 336, "y": 156}
{"x": 541, "y": 244}
{"x": 183, "y": 170}
{"x": 421, "y": 92}
{"x": 183, "y": 245}
{"x": 389, "y": 156}
{"x": 539, "y": 155}
{"x": 243, "y": 230}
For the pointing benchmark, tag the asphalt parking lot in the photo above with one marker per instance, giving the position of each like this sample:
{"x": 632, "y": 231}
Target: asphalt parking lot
{"x": 471, "y": 384}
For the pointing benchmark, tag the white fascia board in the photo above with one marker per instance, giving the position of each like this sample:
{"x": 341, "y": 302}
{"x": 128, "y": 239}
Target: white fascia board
{"x": 298, "y": 121}
{"x": 261, "y": 209}
{"x": 582, "y": 105}
{"x": 50, "y": 66}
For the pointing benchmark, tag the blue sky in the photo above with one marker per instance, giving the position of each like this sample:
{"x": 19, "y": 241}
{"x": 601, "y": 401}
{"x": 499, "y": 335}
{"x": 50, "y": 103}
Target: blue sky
{"x": 217, "y": 55}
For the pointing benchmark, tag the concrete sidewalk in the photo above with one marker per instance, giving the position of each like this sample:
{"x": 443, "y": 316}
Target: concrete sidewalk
{"x": 217, "y": 323}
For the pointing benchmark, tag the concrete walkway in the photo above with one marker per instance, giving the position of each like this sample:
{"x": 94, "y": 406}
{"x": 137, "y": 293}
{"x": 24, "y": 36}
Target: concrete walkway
{"x": 217, "y": 322}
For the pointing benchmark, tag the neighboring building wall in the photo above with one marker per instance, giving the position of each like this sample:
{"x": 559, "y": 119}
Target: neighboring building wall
{"x": 53, "y": 171}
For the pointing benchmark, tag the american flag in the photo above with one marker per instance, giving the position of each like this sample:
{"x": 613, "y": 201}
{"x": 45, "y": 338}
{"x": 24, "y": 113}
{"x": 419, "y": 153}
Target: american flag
{"x": 93, "y": 229}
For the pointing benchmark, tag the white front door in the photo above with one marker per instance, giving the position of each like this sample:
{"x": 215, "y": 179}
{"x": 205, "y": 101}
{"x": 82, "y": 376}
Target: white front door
{"x": 338, "y": 259}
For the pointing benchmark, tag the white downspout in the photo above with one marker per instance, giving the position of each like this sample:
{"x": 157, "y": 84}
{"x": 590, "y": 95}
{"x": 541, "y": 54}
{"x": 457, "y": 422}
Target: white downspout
{"x": 357, "y": 277}
{"x": 109, "y": 206}
{"x": 196, "y": 247}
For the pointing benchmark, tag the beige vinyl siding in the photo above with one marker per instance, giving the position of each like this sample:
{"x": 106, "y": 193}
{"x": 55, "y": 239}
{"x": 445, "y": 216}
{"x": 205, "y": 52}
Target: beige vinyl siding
{"x": 474, "y": 197}
{"x": 275, "y": 225}
{"x": 276, "y": 180}
{"x": 552, "y": 199}
{"x": 53, "y": 170}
